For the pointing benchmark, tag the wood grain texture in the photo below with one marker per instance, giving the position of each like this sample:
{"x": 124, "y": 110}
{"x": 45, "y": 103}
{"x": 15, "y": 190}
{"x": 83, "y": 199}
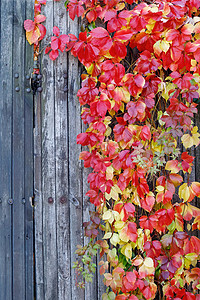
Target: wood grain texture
{"x": 18, "y": 153}
{"x": 28, "y": 160}
{"x": 75, "y": 168}
{"x": 16, "y": 157}
{"x": 6, "y": 76}
{"x": 38, "y": 209}
{"x": 62, "y": 160}
{"x": 48, "y": 170}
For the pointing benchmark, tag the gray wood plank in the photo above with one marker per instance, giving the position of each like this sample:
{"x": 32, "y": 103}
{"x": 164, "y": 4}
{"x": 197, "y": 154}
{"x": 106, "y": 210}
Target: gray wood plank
{"x": 6, "y": 11}
{"x": 75, "y": 168}
{"x": 28, "y": 171}
{"x": 48, "y": 169}
{"x": 18, "y": 152}
{"x": 61, "y": 152}
{"x": 38, "y": 209}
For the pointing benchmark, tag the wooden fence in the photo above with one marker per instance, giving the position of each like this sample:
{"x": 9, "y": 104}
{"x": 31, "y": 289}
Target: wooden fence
{"x": 37, "y": 244}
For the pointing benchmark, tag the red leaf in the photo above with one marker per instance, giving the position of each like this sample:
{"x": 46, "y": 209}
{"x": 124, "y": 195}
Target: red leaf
{"x": 145, "y": 133}
{"x": 40, "y": 18}
{"x": 47, "y": 50}
{"x": 82, "y": 138}
{"x": 64, "y": 38}
{"x": 176, "y": 179}
{"x": 132, "y": 231}
{"x": 101, "y": 108}
{"x": 196, "y": 188}
{"x": 139, "y": 80}
{"x": 91, "y": 193}
{"x": 129, "y": 210}
{"x": 53, "y": 54}
{"x": 123, "y": 35}
{"x": 99, "y": 33}
{"x": 42, "y": 29}
{"x": 56, "y": 31}
{"x": 29, "y": 25}
{"x": 54, "y": 43}
{"x": 148, "y": 202}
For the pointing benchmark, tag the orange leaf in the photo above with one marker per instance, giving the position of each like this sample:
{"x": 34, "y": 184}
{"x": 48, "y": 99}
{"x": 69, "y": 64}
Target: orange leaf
{"x": 33, "y": 36}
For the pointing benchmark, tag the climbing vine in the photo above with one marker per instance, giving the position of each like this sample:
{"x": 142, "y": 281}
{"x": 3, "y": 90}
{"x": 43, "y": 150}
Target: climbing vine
{"x": 138, "y": 94}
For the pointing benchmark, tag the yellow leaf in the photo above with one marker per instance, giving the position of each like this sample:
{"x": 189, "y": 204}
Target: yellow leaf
{"x": 123, "y": 236}
{"x": 190, "y": 259}
{"x": 164, "y": 46}
{"x": 109, "y": 173}
{"x": 159, "y": 188}
{"x": 119, "y": 225}
{"x": 135, "y": 198}
{"x": 108, "y": 216}
{"x": 123, "y": 94}
{"x": 107, "y": 235}
{"x": 33, "y": 36}
{"x": 107, "y": 196}
{"x": 147, "y": 267}
{"x": 115, "y": 239}
{"x": 187, "y": 141}
{"x": 165, "y": 93}
{"x": 157, "y": 48}
{"x": 184, "y": 192}
{"x": 140, "y": 239}
{"x": 156, "y": 147}
{"x": 148, "y": 262}
{"x": 126, "y": 250}
{"x": 108, "y": 131}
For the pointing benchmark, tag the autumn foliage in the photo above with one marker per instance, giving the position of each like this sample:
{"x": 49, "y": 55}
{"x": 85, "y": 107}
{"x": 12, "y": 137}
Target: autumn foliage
{"x": 142, "y": 74}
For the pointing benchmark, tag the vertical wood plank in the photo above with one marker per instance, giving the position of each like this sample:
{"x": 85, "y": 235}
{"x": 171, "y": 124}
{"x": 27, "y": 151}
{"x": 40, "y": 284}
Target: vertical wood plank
{"x": 48, "y": 169}
{"x": 38, "y": 209}
{"x": 61, "y": 154}
{"x": 75, "y": 168}
{"x": 6, "y": 76}
{"x": 28, "y": 170}
{"x": 18, "y": 152}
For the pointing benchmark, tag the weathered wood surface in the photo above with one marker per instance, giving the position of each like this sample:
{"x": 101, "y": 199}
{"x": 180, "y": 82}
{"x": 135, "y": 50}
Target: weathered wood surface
{"x": 60, "y": 180}
{"x": 16, "y": 155}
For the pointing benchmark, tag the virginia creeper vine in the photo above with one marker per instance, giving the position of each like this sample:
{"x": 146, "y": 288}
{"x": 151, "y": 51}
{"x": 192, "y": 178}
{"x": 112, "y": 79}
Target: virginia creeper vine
{"x": 142, "y": 76}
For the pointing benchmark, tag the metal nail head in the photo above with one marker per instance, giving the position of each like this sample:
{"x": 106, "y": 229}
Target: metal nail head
{"x": 50, "y": 200}
{"x": 63, "y": 200}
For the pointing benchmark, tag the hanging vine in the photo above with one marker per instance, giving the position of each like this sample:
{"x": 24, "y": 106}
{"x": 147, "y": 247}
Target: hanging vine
{"x": 137, "y": 106}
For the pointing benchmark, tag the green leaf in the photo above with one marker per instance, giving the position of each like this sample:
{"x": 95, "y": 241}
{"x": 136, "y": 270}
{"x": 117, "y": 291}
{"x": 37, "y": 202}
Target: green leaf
{"x": 66, "y": 3}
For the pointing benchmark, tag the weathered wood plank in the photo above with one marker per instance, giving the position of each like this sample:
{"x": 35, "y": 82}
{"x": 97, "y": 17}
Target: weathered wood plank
{"x": 28, "y": 171}
{"x": 6, "y": 77}
{"x": 38, "y": 209}
{"x": 61, "y": 153}
{"x": 48, "y": 169}
{"x": 18, "y": 153}
{"x": 75, "y": 168}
